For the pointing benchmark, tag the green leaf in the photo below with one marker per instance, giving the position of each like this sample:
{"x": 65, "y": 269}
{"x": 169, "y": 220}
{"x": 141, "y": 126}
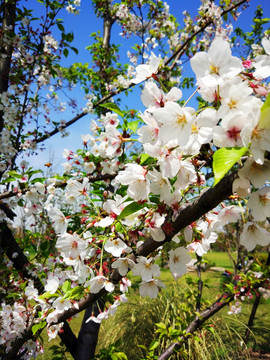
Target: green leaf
{"x": 60, "y": 27}
{"x": 154, "y": 344}
{"x": 113, "y": 107}
{"x": 133, "y": 125}
{"x": 122, "y": 356}
{"x": 161, "y": 326}
{"x": 264, "y": 121}
{"x": 39, "y": 326}
{"x": 144, "y": 158}
{"x": 14, "y": 174}
{"x": 130, "y": 209}
{"x": 66, "y": 286}
{"x": 224, "y": 159}
{"x": 47, "y": 295}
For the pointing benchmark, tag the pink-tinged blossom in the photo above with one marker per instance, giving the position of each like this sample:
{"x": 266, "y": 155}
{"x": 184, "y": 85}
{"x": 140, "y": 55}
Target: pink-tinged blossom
{"x": 177, "y": 262}
{"x": 256, "y": 173}
{"x": 134, "y": 176}
{"x": 253, "y": 235}
{"x": 115, "y": 247}
{"x": 145, "y": 71}
{"x": 71, "y": 246}
{"x": 169, "y": 161}
{"x": 113, "y": 143}
{"x": 227, "y": 134}
{"x": 201, "y": 247}
{"x": 123, "y": 265}
{"x": 154, "y": 225}
{"x": 145, "y": 268}
{"x": 153, "y": 97}
{"x": 110, "y": 119}
{"x": 259, "y": 203}
{"x": 150, "y": 288}
{"x": 229, "y": 214}
{"x": 113, "y": 208}
{"x": 235, "y": 96}
{"x": 176, "y": 123}
{"x": 124, "y": 285}
{"x": 75, "y": 188}
{"x": 216, "y": 65}
{"x": 148, "y": 133}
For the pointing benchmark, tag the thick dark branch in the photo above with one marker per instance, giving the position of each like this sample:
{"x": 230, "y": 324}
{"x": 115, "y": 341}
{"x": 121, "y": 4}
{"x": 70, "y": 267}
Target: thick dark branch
{"x": 68, "y": 338}
{"x": 88, "y": 335}
{"x": 8, "y": 24}
{"x": 192, "y": 212}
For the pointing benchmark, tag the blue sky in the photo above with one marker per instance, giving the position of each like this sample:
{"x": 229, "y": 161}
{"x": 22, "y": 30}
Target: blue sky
{"x": 82, "y": 26}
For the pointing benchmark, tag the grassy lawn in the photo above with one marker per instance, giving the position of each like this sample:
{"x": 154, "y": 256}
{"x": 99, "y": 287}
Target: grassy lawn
{"x": 134, "y": 321}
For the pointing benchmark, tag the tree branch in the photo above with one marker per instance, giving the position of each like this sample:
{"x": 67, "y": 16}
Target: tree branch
{"x": 61, "y": 184}
{"x": 181, "y": 50}
{"x": 8, "y": 24}
{"x": 196, "y": 323}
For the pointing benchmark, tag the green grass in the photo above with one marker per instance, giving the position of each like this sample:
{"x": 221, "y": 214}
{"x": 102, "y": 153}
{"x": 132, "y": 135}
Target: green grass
{"x": 136, "y": 326}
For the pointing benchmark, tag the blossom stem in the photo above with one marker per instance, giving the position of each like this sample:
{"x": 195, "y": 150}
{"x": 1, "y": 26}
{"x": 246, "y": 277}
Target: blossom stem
{"x": 191, "y": 96}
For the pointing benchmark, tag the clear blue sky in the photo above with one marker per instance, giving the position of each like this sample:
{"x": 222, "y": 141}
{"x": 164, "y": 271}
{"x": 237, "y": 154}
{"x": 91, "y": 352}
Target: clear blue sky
{"x": 82, "y": 26}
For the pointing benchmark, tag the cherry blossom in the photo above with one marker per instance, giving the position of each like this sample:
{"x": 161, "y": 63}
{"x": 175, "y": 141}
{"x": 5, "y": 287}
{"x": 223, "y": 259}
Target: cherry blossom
{"x": 175, "y": 122}
{"x": 145, "y": 268}
{"x": 60, "y": 223}
{"x": 71, "y": 246}
{"x": 123, "y": 265}
{"x": 146, "y": 71}
{"x": 262, "y": 62}
{"x": 177, "y": 262}
{"x": 259, "y": 203}
{"x": 217, "y": 65}
{"x": 134, "y": 175}
{"x": 253, "y": 235}
{"x": 115, "y": 246}
{"x": 150, "y": 288}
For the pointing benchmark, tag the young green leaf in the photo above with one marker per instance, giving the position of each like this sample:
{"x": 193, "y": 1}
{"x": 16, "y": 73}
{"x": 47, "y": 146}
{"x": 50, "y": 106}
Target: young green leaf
{"x": 113, "y": 107}
{"x": 264, "y": 121}
{"x": 38, "y": 326}
{"x": 224, "y": 159}
{"x": 130, "y": 209}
